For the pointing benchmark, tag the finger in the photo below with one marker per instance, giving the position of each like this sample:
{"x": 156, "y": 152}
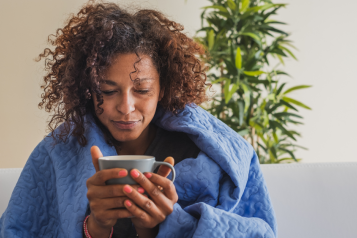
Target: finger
{"x": 164, "y": 170}
{"x": 110, "y": 191}
{"x": 151, "y": 189}
{"x": 100, "y": 177}
{"x": 96, "y": 154}
{"x": 137, "y": 212}
{"x": 166, "y": 184}
{"x": 108, "y": 203}
{"x": 147, "y": 212}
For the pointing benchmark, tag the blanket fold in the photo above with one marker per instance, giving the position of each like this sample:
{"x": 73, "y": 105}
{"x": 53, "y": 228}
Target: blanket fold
{"x": 221, "y": 193}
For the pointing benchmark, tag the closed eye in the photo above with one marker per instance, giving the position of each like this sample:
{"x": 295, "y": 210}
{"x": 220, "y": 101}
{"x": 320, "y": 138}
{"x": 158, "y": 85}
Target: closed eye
{"x": 142, "y": 91}
{"x": 108, "y": 93}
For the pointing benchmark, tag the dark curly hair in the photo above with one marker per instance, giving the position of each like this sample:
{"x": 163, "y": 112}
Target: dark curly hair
{"x": 88, "y": 44}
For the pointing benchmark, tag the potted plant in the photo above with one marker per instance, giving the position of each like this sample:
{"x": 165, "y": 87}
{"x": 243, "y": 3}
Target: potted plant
{"x": 242, "y": 43}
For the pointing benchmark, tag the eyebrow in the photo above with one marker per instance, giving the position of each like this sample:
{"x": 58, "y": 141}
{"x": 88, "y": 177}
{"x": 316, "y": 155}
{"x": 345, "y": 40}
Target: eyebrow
{"x": 113, "y": 83}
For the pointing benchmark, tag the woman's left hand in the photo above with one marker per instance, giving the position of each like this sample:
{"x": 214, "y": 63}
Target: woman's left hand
{"x": 148, "y": 213}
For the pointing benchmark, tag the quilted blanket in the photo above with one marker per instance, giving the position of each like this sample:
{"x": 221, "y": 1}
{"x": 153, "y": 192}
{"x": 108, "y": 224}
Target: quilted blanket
{"x": 222, "y": 192}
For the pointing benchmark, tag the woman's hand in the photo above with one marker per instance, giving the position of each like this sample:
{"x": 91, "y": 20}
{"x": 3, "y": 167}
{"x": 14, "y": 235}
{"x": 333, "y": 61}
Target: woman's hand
{"x": 148, "y": 213}
{"x": 106, "y": 201}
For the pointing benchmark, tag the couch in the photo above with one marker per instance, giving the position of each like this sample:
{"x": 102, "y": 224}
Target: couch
{"x": 310, "y": 200}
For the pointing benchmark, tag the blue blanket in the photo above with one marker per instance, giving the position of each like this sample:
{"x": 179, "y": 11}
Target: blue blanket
{"x": 222, "y": 192}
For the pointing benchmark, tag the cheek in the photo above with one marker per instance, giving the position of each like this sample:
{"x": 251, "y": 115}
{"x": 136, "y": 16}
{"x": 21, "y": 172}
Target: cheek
{"x": 148, "y": 106}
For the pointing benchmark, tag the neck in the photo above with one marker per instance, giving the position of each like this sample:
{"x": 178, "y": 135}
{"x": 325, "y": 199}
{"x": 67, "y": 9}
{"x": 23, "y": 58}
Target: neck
{"x": 140, "y": 145}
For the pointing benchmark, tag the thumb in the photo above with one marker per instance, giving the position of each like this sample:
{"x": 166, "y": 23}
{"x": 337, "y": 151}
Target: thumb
{"x": 96, "y": 154}
{"x": 164, "y": 170}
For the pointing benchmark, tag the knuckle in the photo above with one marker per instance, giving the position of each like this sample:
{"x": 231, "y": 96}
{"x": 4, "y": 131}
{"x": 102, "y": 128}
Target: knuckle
{"x": 142, "y": 216}
{"x": 94, "y": 206}
{"x": 113, "y": 192}
{"x": 142, "y": 179}
{"x": 161, "y": 217}
{"x": 168, "y": 209}
{"x": 118, "y": 202}
{"x": 100, "y": 176}
{"x": 169, "y": 185}
{"x": 148, "y": 204}
{"x": 133, "y": 208}
{"x": 155, "y": 192}
{"x": 89, "y": 194}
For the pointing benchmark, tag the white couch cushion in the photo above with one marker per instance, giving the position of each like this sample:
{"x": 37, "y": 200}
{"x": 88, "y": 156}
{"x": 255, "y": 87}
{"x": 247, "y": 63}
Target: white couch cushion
{"x": 310, "y": 200}
{"x": 314, "y": 200}
{"x": 8, "y": 180}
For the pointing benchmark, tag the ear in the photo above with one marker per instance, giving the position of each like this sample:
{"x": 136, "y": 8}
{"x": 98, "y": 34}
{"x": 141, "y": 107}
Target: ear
{"x": 162, "y": 93}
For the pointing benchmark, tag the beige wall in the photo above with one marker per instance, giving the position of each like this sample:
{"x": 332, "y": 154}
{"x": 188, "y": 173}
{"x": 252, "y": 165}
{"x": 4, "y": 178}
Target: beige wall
{"x": 25, "y": 26}
{"x": 324, "y": 33}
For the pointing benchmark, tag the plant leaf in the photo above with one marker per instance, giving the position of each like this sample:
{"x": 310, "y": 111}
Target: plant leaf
{"x": 210, "y": 39}
{"x": 241, "y": 112}
{"x": 269, "y": 21}
{"x": 231, "y": 5}
{"x": 280, "y": 59}
{"x": 297, "y": 103}
{"x": 231, "y": 92}
{"x": 276, "y": 139}
{"x": 288, "y": 105}
{"x": 286, "y": 114}
{"x": 238, "y": 59}
{"x": 219, "y": 80}
{"x": 243, "y": 132}
{"x": 289, "y": 52}
{"x": 252, "y": 35}
{"x": 275, "y": 124}
{"x": 280, "y": 88}
{"x": 226, "y": 87}
{"x": 289, "y": 152}
{"x": 244, "y": 5}
{"x": 264, "y": 7}
{"x": 296, "y": 88}
{"x": 253, "y": 73}
{"x": 284, "y": 159}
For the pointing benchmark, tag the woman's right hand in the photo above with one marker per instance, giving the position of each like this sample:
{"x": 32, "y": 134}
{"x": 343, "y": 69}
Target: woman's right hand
{"x": 106, "y": 201}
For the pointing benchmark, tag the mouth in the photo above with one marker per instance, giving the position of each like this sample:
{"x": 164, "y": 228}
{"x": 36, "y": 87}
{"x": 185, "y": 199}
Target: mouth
{"x": 125, "y": 125}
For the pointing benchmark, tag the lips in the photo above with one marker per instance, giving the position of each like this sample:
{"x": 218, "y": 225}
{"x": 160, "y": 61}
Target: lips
{"x": 125, "y": 125}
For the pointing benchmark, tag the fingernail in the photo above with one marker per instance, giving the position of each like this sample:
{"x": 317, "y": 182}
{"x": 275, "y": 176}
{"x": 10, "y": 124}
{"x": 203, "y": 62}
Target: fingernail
{"x": 141, "y": 190}
{"x": 135, "y": 173}
{"x": 122, "y": 173}
{"x": 148, "y": 175}
{"x": 127, "y": 189}
{"x": 128, "y": 203}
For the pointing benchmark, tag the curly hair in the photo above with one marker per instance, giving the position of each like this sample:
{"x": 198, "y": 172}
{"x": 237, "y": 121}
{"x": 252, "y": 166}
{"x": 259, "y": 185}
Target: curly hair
{"x": 87, "y": 45}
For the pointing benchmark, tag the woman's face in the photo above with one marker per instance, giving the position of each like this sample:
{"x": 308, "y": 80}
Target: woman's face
{"x": 129, "y": 106}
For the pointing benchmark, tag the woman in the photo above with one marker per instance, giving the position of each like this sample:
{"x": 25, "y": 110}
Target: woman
{"x": 127, "y": 84}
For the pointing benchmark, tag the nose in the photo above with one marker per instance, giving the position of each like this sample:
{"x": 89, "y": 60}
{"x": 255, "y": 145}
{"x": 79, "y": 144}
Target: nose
{"x": 126, "y": 103}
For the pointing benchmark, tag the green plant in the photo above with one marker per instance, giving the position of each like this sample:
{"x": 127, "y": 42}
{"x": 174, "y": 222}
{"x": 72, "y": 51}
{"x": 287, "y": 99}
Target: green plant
{"x": 242, "y": 42}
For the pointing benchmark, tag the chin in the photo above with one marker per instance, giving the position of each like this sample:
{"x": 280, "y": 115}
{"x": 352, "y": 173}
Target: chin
{"x": 126, "y": 136}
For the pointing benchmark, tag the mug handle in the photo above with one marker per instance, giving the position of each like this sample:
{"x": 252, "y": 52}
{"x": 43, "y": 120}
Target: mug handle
{"x": 157, "y": 163}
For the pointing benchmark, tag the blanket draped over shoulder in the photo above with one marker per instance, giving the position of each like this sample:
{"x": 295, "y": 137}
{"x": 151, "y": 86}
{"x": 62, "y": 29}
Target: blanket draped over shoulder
{"x": 222, "y": 192}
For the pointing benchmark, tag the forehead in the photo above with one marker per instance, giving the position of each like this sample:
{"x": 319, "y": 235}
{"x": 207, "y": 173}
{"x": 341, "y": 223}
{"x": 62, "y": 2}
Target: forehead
{"x": 132, "y": 63}
{"x": 136, "y": 81}
{"x": 130, "y": 66}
